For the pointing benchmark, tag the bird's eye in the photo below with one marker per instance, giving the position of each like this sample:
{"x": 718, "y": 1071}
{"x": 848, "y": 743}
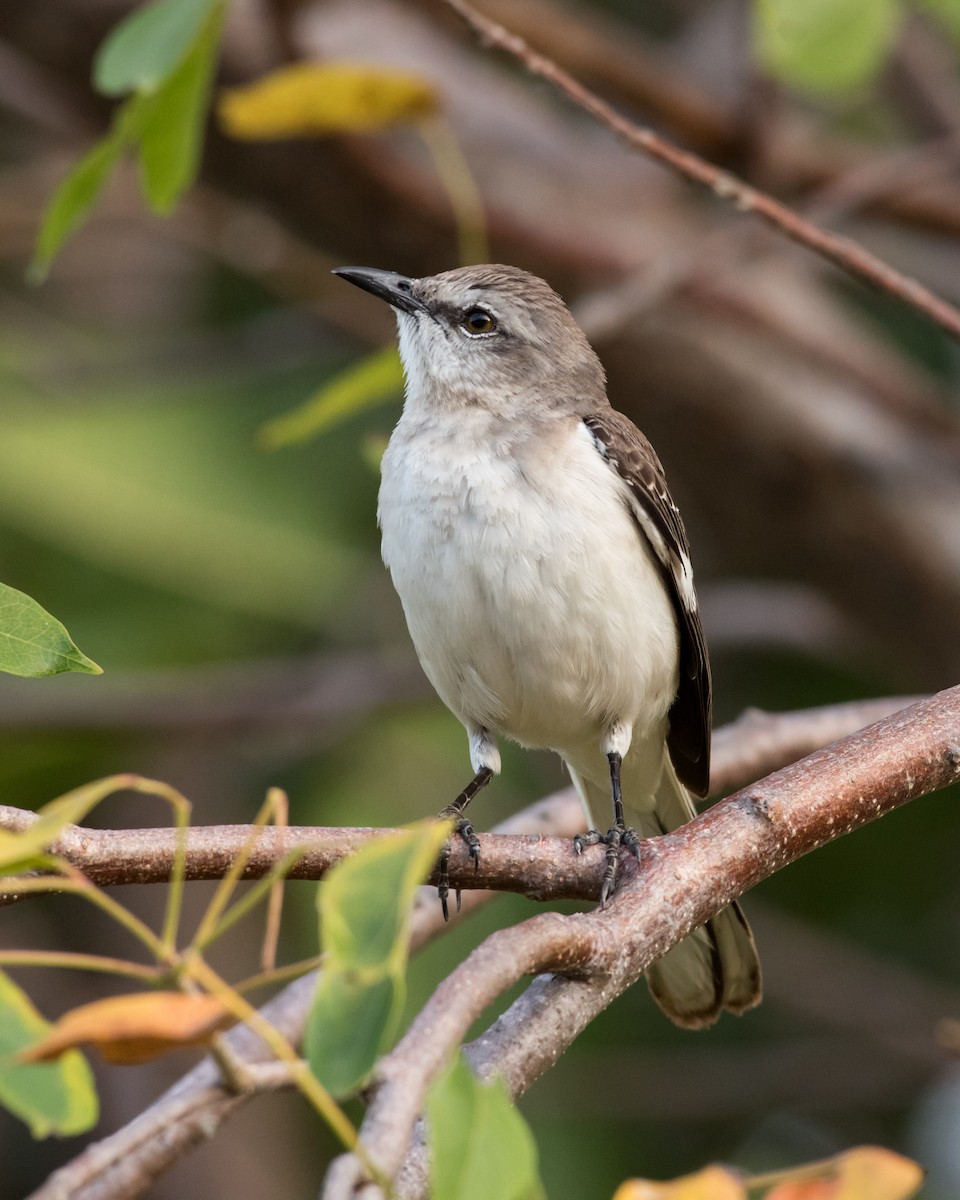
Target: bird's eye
{"x": 477, "y": 321}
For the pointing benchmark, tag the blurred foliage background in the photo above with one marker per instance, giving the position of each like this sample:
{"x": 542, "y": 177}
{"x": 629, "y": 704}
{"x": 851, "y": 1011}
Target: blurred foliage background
{"x": 234, "y": 596}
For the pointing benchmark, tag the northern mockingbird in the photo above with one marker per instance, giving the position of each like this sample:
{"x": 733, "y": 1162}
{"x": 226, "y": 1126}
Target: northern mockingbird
{"x": 545, "y": 576}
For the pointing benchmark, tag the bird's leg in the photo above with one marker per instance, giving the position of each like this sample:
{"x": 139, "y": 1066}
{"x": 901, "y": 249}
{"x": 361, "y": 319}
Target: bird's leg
{"x": 617, "y": 836}
{"x": 485, "y": 759}
{"x": 463, "y": 829}
{"x": 620, "y": 833}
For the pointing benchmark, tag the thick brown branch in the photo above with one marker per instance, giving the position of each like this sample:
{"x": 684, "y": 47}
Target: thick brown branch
{"x": 843, "y": 252}
{"x": 759, "y": 742}
{"x": 685, "y": 878}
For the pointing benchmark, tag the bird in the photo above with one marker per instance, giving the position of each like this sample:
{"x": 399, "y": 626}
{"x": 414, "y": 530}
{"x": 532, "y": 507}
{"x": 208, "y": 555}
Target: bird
{"x": 544, "y": 572}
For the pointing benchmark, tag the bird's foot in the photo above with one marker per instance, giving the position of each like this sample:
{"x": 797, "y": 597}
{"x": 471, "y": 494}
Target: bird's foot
{"x": 464, "y": 830}
{"x": 615, "y": 839}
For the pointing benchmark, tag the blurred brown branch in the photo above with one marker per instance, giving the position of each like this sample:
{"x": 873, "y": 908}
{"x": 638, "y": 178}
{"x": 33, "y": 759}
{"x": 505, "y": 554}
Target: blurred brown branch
{"x": 841, "y": 251}
{"x": 762, "y": 393}
{"x": 758, "y": 742}
{"x": 305, "y": 694}
{"x": 635, "y": 72}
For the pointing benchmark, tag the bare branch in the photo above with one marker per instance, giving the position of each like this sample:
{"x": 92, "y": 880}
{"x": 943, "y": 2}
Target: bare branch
{"x": 306, "y": 693}
{"x": 759, "y": 742}
{"x": 602, "y": 50}
{"x": 685, "y": 879}
{"x": 842, "y": 252}
{"x": 621, "y": 62}
{"x": 537, "y": 865}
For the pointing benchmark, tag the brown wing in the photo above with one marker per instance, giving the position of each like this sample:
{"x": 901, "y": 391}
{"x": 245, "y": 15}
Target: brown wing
{"x": 629, "y": 453}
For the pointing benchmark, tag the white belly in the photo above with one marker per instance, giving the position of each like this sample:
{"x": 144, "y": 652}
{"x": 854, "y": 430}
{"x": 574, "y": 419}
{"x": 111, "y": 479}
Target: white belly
{"x": 533, "y": 602}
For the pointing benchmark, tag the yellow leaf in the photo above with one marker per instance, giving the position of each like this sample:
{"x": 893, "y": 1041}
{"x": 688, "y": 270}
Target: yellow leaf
{"x": 712, "y": 1183}
{"x": 371, "y": 381}
{"x": 310, "y": 100}
{"x": 873, "y": 1173}
{"x": 134, "y": 1028}
{"x": 863, "y": 1173}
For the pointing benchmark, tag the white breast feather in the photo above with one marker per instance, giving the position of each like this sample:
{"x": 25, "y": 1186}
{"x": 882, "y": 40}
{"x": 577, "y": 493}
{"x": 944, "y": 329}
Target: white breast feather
{"x": 538, "y": 613}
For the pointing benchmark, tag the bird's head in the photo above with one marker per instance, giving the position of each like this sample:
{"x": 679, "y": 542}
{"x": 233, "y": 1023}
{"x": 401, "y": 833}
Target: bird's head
{"x": 491, "y": 336}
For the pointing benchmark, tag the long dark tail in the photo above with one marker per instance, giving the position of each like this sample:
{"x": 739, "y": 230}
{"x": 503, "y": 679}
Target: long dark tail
{"x": 715, "y": 967}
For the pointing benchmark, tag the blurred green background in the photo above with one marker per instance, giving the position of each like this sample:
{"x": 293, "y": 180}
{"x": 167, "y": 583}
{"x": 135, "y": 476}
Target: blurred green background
{"x": 250, "y": 637}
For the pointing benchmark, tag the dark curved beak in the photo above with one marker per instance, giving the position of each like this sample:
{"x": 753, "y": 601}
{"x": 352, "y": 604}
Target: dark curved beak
{"x": 396, "y": 289}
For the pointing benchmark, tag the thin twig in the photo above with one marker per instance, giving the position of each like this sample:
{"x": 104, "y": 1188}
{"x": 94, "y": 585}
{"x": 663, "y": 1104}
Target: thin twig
{"x": 843, "y": 252}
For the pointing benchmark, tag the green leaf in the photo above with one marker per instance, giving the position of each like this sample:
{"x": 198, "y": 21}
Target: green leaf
{"x": 364, "y": 903}
{"x": 147, "y": 45}
{"x": 479, "y": 1144}
{"x": 824, "y": 45}
{"x": 19, "y": 850}
{"x": 73, "y": 199}
{"x": 33, "y": 643}
{"x": 370, "y": 382}
{"x": 351, "y": 1022}
{"x": 365, "y": 930}
{"x": 57, "y": 1097}
{"x": 174, "y": 119}
{"x": 165, "y": 116}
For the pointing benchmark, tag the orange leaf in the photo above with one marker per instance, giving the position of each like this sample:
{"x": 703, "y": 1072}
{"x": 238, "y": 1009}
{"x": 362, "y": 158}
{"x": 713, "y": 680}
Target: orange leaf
{"x": 310, "y": 100}
{"x": 712, "y": 1183}
{"x": 134, "y": 1028}
{"x": 863, "y": 1173}
{"x": 809, "y": 1189}
{"x": 873, "y": 1173}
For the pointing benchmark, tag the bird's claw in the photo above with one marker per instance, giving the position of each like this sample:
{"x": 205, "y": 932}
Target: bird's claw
{"x": 617, "y": 837}
{"x": 464, "y": 830}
